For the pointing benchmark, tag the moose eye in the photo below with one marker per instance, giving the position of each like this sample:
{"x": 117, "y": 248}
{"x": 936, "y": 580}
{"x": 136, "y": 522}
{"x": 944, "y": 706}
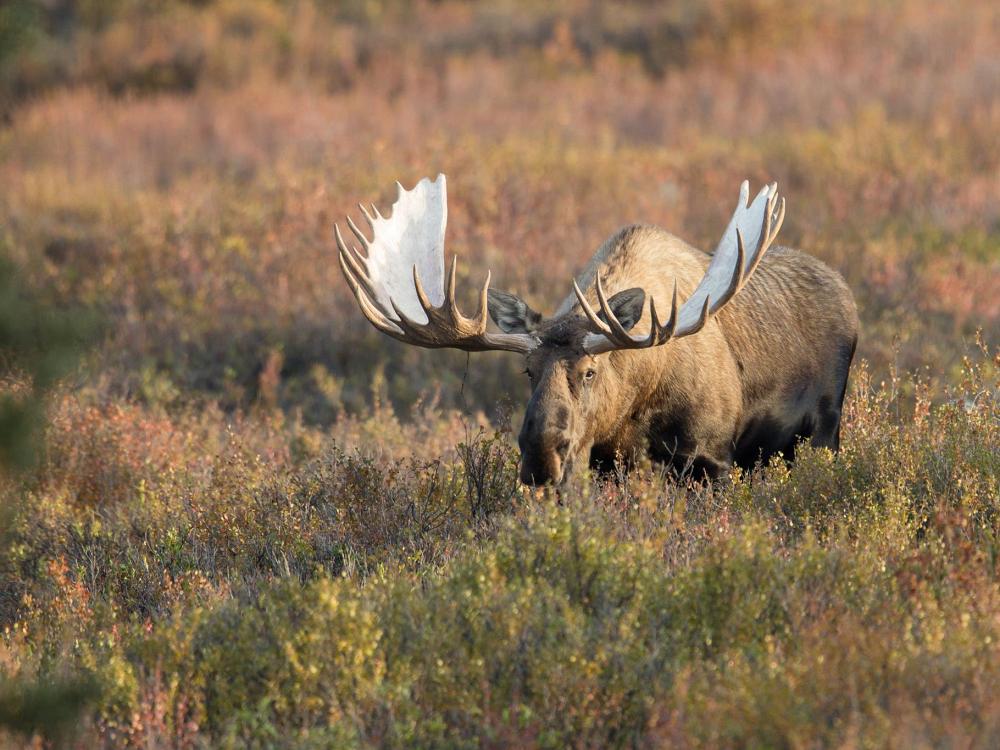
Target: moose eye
{"x": 589, "y": 375}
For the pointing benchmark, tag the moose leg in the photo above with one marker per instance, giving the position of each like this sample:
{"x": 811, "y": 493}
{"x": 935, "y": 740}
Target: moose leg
{"x": 830, "y": 406}
{"x": 689, "y": 461}
{"x": 827, "y": 421}
{"x": 606, "y": 461}
{"x": 706, "y": 467}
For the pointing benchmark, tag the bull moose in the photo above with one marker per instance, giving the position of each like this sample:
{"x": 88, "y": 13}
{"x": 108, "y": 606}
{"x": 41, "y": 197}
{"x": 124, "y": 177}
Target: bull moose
{"x": 754, "y": 360}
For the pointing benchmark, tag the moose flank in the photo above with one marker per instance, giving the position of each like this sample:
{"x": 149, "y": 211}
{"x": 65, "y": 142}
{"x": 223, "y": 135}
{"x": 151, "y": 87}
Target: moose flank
{"x": 754, "y": 360}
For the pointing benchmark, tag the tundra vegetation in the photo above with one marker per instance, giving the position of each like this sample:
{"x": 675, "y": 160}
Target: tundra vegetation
{"x": 252, "y": 520}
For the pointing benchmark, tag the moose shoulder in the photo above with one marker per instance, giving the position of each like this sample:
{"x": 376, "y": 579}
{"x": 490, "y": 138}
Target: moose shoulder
{"x": 754, "y": 360}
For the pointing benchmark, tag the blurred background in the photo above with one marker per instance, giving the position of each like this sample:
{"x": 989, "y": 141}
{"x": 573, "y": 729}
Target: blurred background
{"x": 177, "y": 166}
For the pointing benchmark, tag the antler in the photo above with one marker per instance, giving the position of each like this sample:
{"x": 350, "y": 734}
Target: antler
{"x": 727, "y": 273}
{"x": 405, "y": 252}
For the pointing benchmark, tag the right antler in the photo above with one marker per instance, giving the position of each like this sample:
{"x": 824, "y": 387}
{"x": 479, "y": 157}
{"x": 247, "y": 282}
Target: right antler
{"x": 387, "y": 281}
{"x": 727, "y": 273}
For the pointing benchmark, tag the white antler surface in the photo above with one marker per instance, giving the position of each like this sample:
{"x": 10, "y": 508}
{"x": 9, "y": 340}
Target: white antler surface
{"x": 400, "y": 282}
{"x": 749, "y": 221}
{"x": 413, "y": 235}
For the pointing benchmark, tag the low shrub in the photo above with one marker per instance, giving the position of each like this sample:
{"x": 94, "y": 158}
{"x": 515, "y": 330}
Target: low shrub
{"x": 351, "y": 599}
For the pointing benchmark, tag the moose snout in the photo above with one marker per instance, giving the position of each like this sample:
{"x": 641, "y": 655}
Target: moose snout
{"x": 547, "y": 435}
{"x": 536, "y": 473}
{"x": 544, "y": 461}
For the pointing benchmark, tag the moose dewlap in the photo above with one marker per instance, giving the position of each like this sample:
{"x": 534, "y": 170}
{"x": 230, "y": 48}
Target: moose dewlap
{"x": 754, "y": 360}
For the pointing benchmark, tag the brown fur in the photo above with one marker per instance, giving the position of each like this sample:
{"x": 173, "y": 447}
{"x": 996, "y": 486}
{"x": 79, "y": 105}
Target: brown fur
{"x": 768, "y": 370}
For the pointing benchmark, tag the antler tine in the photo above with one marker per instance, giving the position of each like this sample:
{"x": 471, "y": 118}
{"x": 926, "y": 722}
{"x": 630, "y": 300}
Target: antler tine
{"x": 769, "y": 216}
{"x": 773, "y": 220}
{"x": 741, "y": 256}
{"x": 599, "y": 324}
{"x": 672, "y": 323}
{"x": 415, "y": 332}
{"x": 654, "y": 324}
{"x": 617, "y": 329}
{"x": 738, "y": 277}
{"x": 421, "y": 294}
{"x": 357, "y": 261}
{"x": 480, "y": 319}
{"x": 368, "y": 217}
{"x": 703, "y": 318}
{"x": 356, "y": 264}
{"x": 777, "y": 218}
{"x": 358, "y": 233}
{"x": 612, "y": 334}
{"x": 371, "y": 312}
{"x": 449, "y": 296}
{"x": 376, "y": 318}
{"x": 659, "y": 334}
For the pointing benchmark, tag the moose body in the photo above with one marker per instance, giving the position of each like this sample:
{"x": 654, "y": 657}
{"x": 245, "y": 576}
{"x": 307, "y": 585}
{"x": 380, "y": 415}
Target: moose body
{"x": 769, "y": 370}
{"x": 755, "y": 360}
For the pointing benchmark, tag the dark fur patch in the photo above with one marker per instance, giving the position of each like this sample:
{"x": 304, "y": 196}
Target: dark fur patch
{"x": 670, "y": 436}
{"x": 602, "y": 461}
{"x": 704, "y": 467}
{"x": 807, "y": 428}
{"x": 828, "y": 431}
{"x": 761, "y": 439}
{"x": 567, "y": 331}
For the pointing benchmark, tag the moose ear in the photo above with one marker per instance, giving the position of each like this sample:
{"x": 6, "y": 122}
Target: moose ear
{"x": 511, "y": 313}
{"x": 627, "y": 306}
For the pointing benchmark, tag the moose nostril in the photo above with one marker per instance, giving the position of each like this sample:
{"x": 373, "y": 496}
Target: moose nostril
{"x": 562, "y": 418}
{"x": 562, "y": 448}
{"x": 531, "y": 477}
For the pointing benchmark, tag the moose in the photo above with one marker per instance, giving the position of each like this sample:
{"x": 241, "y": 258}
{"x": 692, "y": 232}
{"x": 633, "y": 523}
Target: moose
{"x": 755, "y": 360}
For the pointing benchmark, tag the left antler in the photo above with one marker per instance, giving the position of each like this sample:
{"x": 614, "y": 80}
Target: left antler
{"x": 405, "y": 252}
{"x": 754, "y": 226}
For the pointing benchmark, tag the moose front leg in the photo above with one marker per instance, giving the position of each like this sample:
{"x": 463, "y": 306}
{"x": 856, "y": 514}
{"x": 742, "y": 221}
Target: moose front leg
{"x": 686, "y": 458}
{"x": 707, "y": 467}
